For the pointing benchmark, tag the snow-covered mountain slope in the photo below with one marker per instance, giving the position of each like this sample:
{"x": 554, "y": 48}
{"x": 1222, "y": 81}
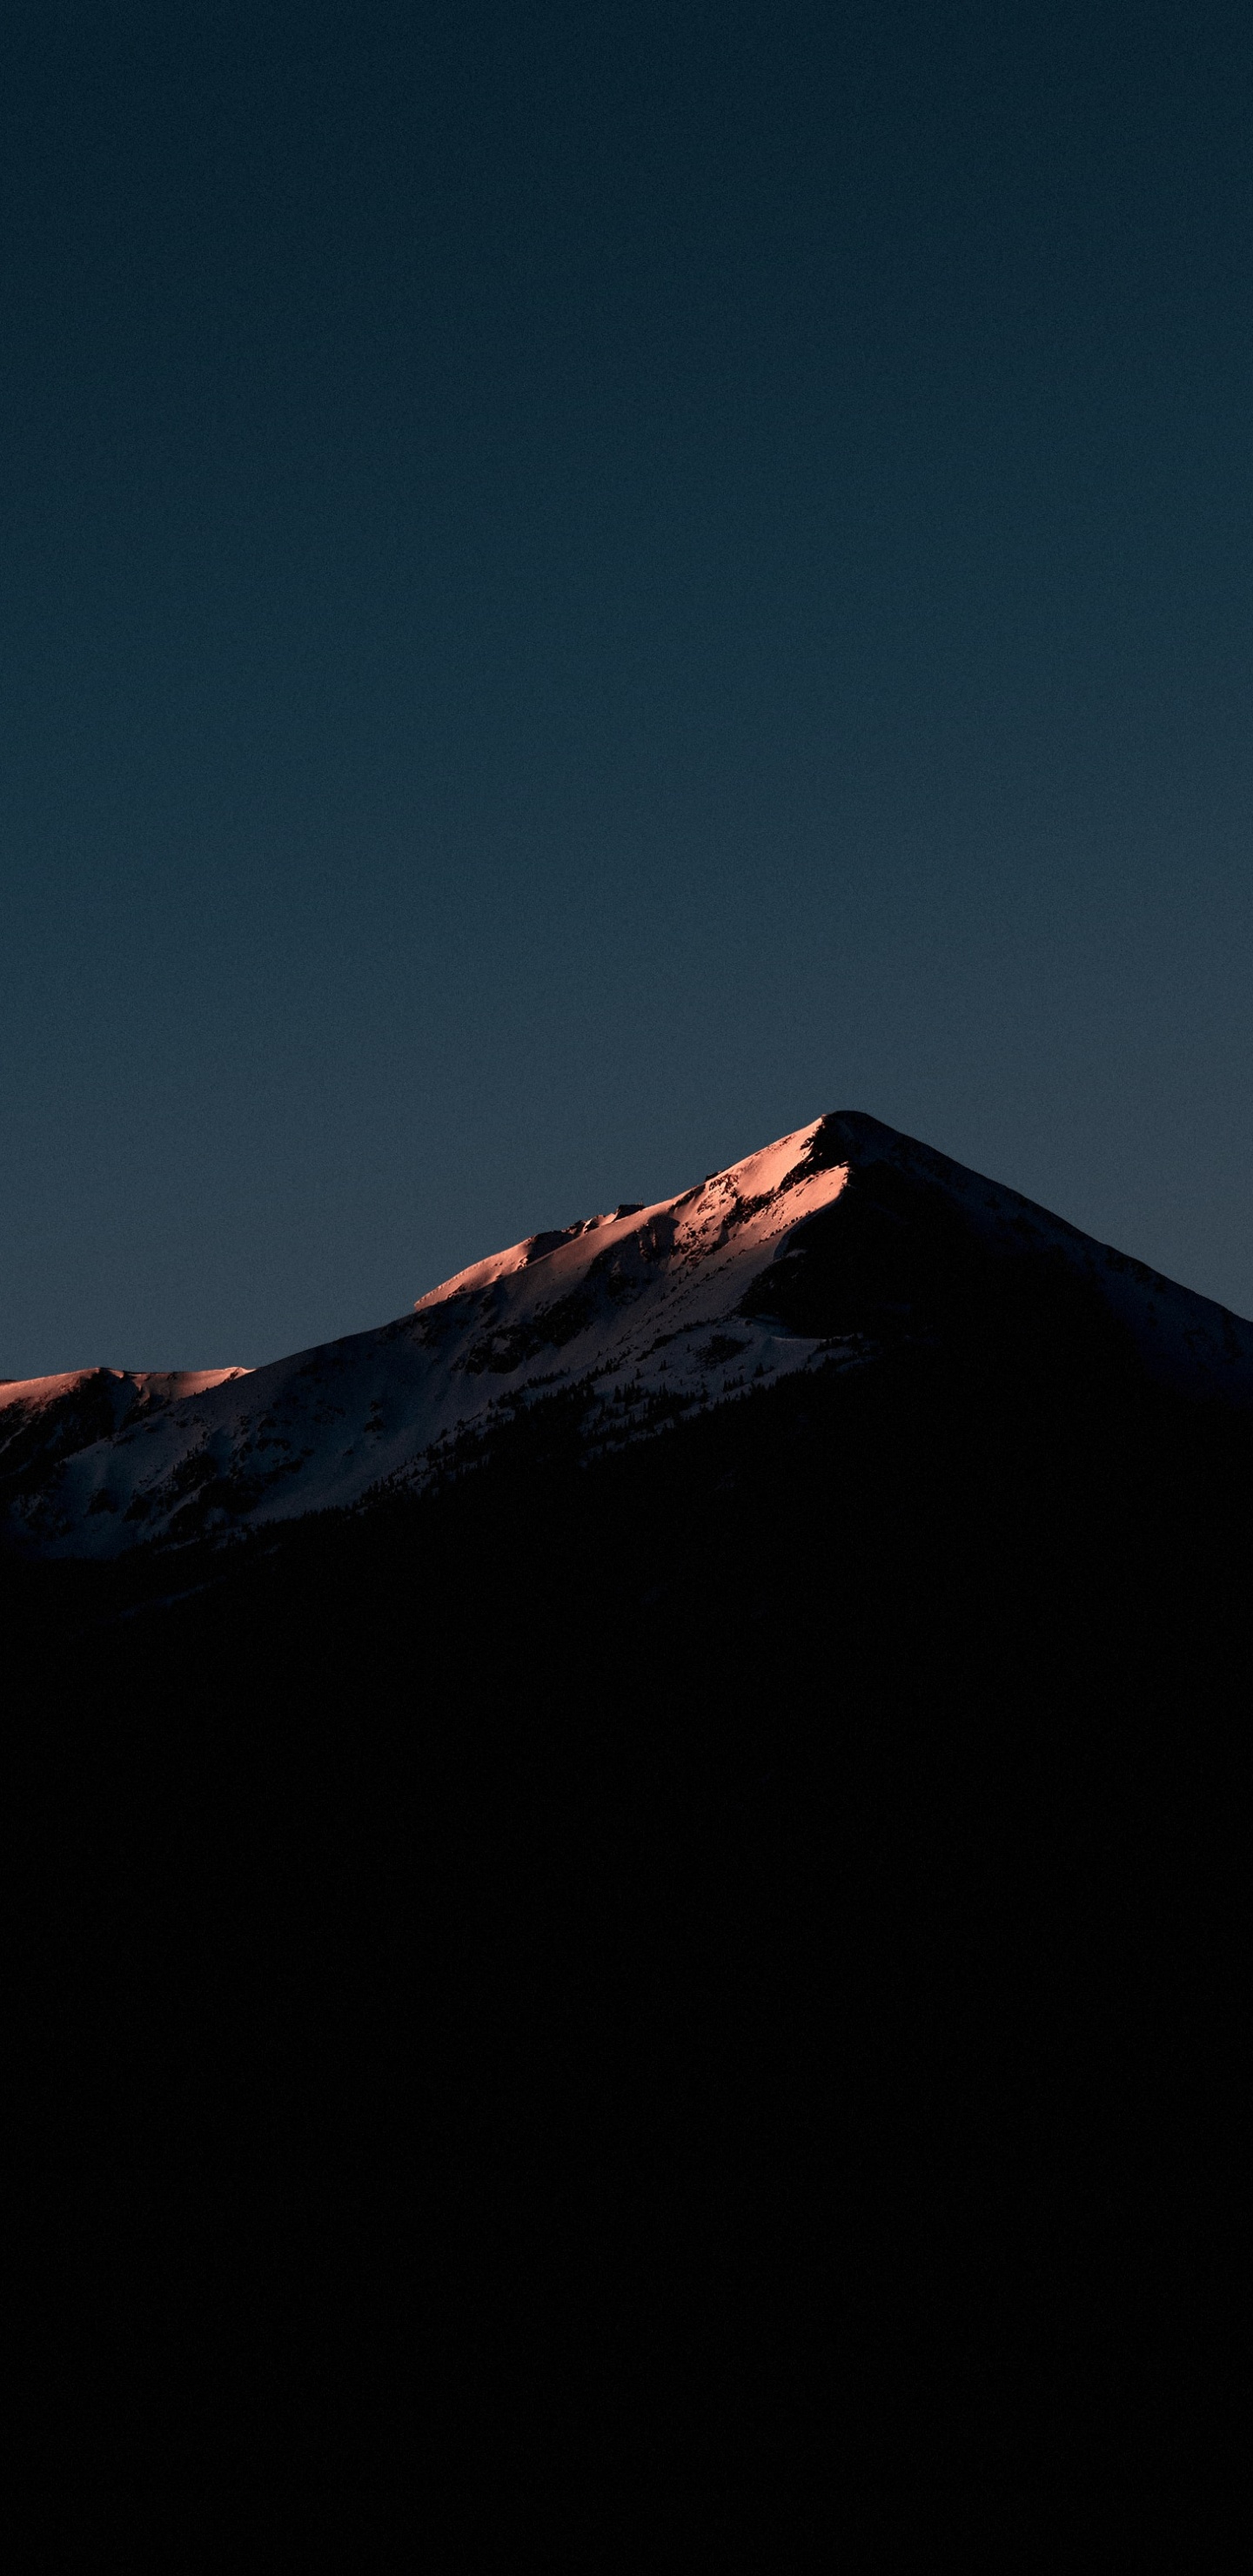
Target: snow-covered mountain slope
{"x": 821, "y": 1250}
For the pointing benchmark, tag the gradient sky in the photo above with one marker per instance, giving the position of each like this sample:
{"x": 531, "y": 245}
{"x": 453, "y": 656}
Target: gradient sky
{"x": 583, "y": 583}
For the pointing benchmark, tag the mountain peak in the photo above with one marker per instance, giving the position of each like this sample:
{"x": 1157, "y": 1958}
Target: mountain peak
{"x": 829, "y": 1248}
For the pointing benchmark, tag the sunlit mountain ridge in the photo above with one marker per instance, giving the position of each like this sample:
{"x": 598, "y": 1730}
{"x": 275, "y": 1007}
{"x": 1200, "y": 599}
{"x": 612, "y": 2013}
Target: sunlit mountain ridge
{"x": 827, "y": 1250}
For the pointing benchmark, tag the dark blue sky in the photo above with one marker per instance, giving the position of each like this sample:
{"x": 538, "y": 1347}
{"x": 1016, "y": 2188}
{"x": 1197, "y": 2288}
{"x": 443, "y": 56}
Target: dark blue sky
{"x": 583, "y": 583}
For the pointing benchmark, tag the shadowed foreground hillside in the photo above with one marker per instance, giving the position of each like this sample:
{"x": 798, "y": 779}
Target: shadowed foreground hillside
{"x": 702, "y": 1969}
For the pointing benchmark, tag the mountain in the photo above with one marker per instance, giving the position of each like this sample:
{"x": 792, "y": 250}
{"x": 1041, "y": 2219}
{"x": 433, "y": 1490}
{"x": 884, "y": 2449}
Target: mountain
{"x": 702, "y": 1900}
{"x": 828, "y": 1251}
